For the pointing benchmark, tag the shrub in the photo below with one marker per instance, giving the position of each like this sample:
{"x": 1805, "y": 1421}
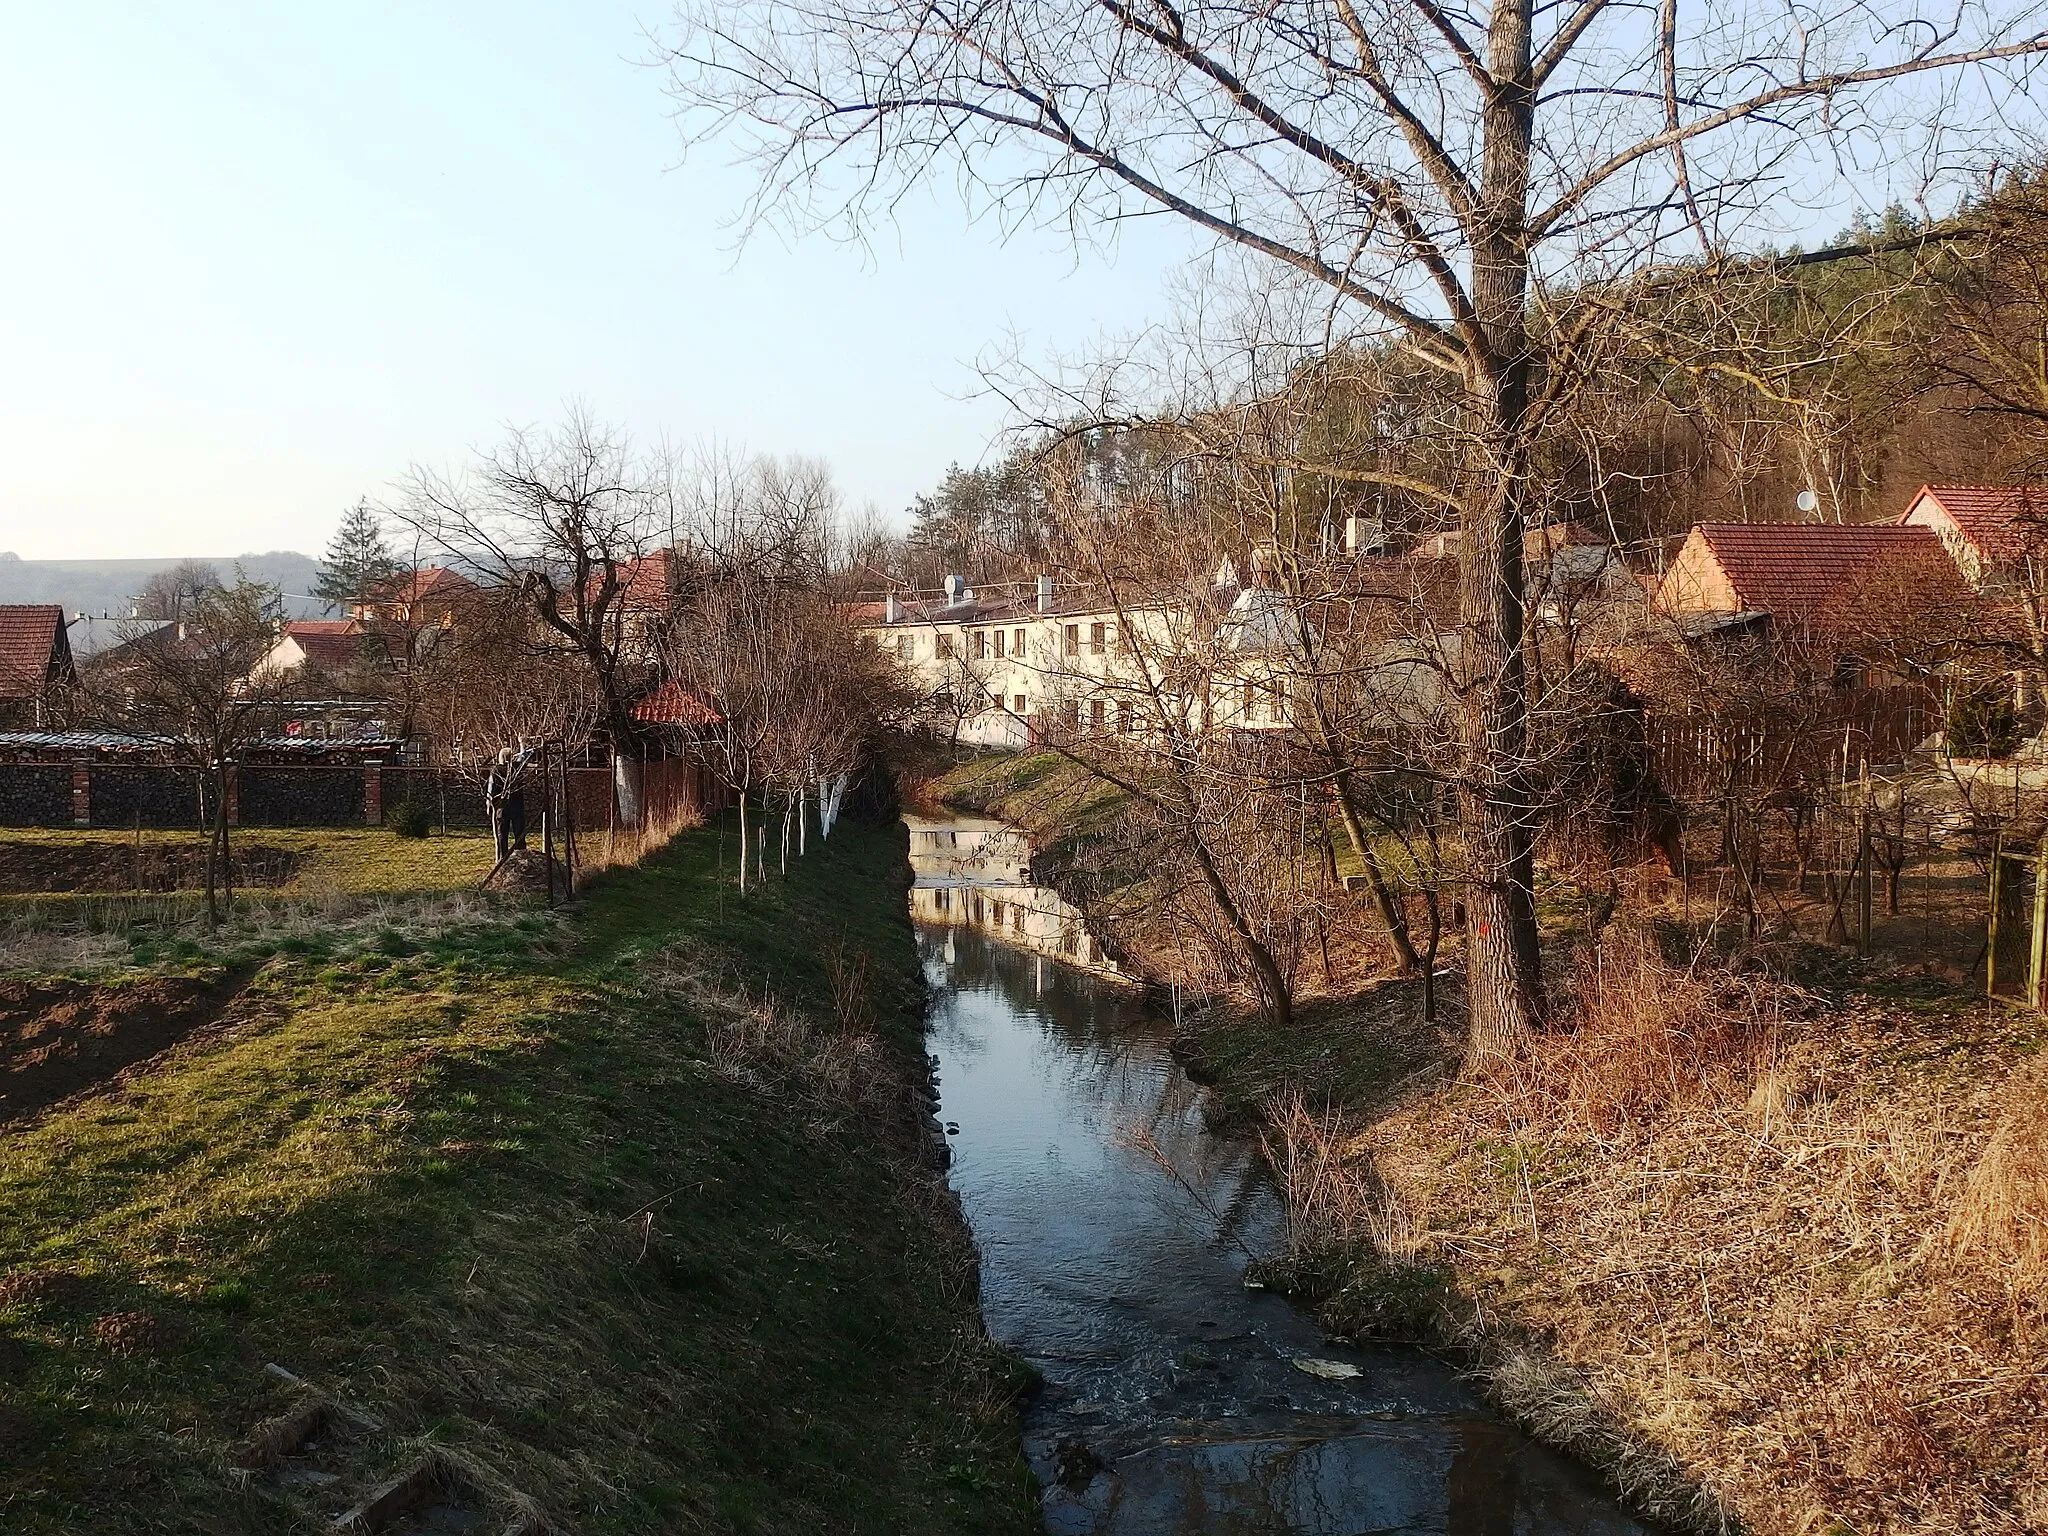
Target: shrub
{"x": 1982, "y": 721}
{"x": 410, "y": 818}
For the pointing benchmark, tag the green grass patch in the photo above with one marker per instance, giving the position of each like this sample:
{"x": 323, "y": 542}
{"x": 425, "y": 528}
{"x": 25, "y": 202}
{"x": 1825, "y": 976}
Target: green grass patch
{"x": 528, "y": 1192}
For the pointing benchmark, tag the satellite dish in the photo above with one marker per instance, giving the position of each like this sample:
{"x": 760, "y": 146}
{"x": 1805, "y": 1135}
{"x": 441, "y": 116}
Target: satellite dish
{"x": 1806, "y": 501}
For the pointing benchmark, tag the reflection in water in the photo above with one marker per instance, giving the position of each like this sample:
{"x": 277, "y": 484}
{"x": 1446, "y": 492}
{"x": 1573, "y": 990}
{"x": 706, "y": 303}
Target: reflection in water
{"x": 1173, "y": 1402}
{"x": 976, "y": 873}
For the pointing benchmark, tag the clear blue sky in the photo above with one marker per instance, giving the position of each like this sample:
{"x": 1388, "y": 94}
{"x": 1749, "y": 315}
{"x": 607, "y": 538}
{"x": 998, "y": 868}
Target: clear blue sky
{"x": 260, "y": 257}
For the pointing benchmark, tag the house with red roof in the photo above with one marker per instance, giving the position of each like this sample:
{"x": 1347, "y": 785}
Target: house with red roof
{"x": 330, "y": 646}
{"x": 36, "y": 669}
{"x": 1834, "y": 582}
{"x": 1989, "y": 531}
{"x": 429, "y": 595}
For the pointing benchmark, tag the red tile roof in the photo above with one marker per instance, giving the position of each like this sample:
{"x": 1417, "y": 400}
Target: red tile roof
{"x": 1796, "y": 571}
{"x": 32, "y": 648}
{"x": 647, "y": 584}
{"x": 430, "y": 583}
{"x": 670, "y": 705}
{"x": 332, "y": 645}
{"x": 2003, "y": 521}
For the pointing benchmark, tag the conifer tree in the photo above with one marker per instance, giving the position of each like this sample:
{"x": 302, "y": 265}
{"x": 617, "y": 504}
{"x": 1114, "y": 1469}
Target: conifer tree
{"x": 358, "y": 559}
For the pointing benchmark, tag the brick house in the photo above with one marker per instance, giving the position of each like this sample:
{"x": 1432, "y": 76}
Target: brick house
{"x": 37, "y": 673}
{"x": 1992, "y": 532}
{"x": 1825, "y": 583}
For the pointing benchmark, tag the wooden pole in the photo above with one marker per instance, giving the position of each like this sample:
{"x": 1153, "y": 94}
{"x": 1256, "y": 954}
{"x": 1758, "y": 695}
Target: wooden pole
{"x": 547, "y": 817}
{"x": 1863, "y": 891}
{"x": 1991, "y": 931}
{"x": 2035, "y": 950}
{"x": 568, "y": 823}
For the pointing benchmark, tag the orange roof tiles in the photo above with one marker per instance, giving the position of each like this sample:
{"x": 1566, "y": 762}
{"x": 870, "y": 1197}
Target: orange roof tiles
{"x": 1795, "y": 571}
{"x": 32, "y": 648}
{"x": 2003, "y": 521}
{"x": 671, "y": 705}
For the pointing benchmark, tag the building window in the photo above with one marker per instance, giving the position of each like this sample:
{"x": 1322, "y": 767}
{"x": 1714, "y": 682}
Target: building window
{"x": 1073, "y": 639}
{"x": 943, "y": 646}
{"x": 1017, "y": 705}
{"x": 999, "y": 645}
{"x": 1124, "y": 719}
{"x": 1098, "y": 715}
{"x": 1250, "y": 706}
{"x": 981, "y": 645}
{"x": 1096, "y": 634}
{"x": 1017, "y": 643}
{"x": 906, "y": 647}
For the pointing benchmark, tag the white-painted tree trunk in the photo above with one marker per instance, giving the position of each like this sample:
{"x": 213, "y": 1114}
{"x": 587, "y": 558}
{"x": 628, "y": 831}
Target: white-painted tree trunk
{"x": 803, "y": 818}
{"x": 744, "y": 850}
{"x": 627, "y": 780}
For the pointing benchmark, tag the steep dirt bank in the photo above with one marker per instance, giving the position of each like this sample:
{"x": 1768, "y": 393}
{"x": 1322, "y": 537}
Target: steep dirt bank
{"x": 59, "y": 1037}
{"x": 1772, "y": 1252}
{"x": 624, "y": 1221}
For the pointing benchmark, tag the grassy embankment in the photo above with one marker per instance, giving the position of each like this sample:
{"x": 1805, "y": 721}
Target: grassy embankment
{"x": 621, "y": 1219}
{"x": 1771, "y": 1250}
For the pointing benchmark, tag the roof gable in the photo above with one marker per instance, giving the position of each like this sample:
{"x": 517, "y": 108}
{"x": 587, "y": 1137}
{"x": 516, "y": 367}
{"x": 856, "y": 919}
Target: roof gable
{"x": 1796, "y": 571}
{"x": 2001, "y": 522}
{"x": 33, "y": 649}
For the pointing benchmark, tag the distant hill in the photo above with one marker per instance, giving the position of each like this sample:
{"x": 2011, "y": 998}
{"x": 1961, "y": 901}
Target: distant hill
{"x": 107, "y": 586}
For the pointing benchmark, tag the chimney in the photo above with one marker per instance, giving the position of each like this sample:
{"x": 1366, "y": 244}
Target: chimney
{"x": 954, "y": 586}
{"x": 1045, "y": 594}
{"x": 892, "y": 609}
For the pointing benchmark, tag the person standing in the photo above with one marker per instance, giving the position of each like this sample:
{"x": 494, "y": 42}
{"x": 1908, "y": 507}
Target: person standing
{"x": 505, "y": 793}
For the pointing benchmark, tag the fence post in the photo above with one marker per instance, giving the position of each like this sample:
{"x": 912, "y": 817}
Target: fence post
{"x": 2039, "y": 946}
{"x": 1991, "y": 931}
{"x": 1864, "y": 863}
{"x": 81, "y": 793}
{"x": 547, "y": 816}
{"x": 373, "y": 794}
{"x": 568, "y": 825}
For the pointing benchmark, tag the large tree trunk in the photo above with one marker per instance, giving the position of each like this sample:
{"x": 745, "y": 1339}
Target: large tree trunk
{"x": 1503, "y": 957}
{"x": 627, "y": 781}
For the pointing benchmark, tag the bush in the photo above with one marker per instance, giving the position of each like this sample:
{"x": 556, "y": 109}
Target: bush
{"x": 410, "y": 818}
{"x": 1983, "y": 721}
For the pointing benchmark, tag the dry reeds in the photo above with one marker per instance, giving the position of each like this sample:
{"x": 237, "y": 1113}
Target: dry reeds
{"x": 2002, "y": 1216}
{"x": 1333, "y": 1199}
{"x": 1644, "y": 1035}
{"x": 758, "y": 1043}
{"x": 623, "y": 847}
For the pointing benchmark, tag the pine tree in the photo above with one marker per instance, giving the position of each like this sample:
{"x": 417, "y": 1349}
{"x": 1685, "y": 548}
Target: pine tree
{"x": 358, "y": 559}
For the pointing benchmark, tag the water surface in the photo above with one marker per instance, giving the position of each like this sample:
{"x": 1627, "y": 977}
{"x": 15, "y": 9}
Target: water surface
{"x": 1115, "y": 1230}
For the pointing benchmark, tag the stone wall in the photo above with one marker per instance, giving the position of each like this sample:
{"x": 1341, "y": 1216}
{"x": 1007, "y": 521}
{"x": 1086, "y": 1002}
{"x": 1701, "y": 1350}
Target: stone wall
{"x": 35, "y": 795}
{"x": 151, "y": 796}
{"x": 300, "y": 797}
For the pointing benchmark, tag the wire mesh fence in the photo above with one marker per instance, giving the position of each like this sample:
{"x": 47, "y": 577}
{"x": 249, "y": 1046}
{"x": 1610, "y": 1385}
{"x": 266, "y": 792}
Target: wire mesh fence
{"x": 1945, "y": 881}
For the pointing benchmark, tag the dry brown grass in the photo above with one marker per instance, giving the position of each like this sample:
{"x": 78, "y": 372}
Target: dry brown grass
{"x": 2002, "y": 1218}
{"x": 1784, "y": 1246}
{"x": 623, "y": 847}
{"x": 1642, "y": 1036}
{"x": 780, "y": 1052}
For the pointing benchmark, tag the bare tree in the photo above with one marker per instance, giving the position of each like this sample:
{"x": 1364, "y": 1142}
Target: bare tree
{"x": 176, "y": 592}
{"x": 1449, "y": 181}
{"x": 473, "y": 711}
{"x": 569, "y": 519}
{"x": 194, "y": 689}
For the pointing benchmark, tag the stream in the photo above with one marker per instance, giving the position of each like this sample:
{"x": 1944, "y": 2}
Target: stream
{"x": 1115, "y": 1230}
